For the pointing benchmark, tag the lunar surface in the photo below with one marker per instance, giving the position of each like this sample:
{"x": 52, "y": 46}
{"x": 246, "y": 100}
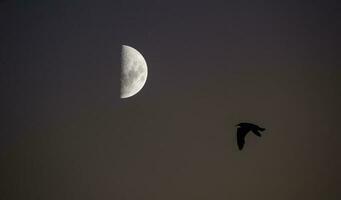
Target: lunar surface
{"x": 133, "y": 71}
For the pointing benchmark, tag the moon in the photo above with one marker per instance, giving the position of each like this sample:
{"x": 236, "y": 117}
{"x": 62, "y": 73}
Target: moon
{"x": 134, "y": 71}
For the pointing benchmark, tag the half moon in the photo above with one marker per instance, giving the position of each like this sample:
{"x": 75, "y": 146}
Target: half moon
{"x": 134, "y": 71}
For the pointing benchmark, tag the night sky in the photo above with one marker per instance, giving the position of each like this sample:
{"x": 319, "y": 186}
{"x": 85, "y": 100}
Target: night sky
{"x": 66, "y": 134}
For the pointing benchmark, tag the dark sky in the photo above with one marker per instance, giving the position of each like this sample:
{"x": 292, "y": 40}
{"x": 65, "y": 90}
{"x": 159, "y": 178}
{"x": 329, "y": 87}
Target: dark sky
{"x": 66, "y": 134}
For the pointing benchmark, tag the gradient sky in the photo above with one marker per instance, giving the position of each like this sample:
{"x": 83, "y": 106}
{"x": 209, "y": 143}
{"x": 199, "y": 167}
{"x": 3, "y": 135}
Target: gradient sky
{"x": 66, "y": 134}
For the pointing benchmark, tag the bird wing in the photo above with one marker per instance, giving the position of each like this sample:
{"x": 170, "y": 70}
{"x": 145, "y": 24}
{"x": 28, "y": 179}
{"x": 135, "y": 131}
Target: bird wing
{"x": 257, "y": 133}
{"x": 241, "y": 132}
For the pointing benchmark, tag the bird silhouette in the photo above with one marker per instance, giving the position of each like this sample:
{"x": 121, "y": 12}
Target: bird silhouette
{"x": 244, "y": 129}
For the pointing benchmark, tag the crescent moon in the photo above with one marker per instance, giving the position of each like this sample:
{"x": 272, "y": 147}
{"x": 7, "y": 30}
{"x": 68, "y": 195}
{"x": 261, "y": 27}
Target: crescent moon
{"x": 134, "y": 71}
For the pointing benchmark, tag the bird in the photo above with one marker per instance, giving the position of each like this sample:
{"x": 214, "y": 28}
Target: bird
{"x": 244, "y": 129}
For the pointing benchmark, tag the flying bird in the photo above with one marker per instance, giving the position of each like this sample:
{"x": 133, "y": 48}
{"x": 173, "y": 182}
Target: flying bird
{"x": 244, "y": 129}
